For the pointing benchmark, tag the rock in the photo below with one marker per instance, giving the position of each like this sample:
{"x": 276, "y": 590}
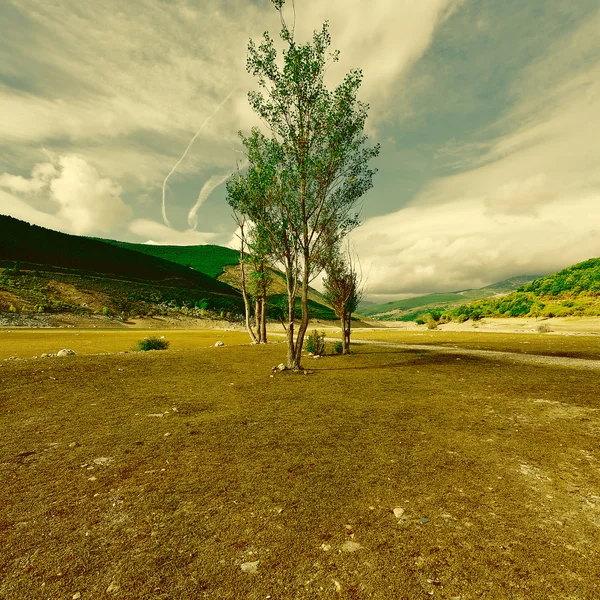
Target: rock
{"x": 66, "y": 352}
{"x": 250, "y": 567}
{"x": 218, "y": 344}
{"x": 281, "y": 367}
{"x": 76, "y": 595}
{"x": 351, "y": 546}
{"x": 74, "y": 444}
{"x": 398, "y": 512}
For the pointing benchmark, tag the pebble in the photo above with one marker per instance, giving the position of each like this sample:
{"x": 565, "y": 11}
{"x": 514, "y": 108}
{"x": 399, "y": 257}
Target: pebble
{"x": 351, "y": 546}
{"x": 398, "y": 512}
{"x": 76, "y": 595}
{"x": 250, "y": 567}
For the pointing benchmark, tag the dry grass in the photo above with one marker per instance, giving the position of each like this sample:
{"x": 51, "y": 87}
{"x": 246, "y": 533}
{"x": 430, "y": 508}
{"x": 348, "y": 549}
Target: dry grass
{"x": 545, "y": 344}
{"x": 496, "y": 466}
{"x": 25, "y": 343}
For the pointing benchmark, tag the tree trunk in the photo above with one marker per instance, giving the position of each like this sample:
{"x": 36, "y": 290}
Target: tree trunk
{"x": 257, "y": 317}
{"x": 263, "y": 319}
{"x": 346, "y": 333}
{"x": 303, "y": 322}
{"x": 291, "y": 349}
{"x": 247, "y": 303}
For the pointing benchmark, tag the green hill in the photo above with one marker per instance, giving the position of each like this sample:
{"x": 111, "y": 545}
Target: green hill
{"x": 208, "y": 259}
{"x": 412, "y": 308}
{"x": 574, "y": 291}
{"x": 46, "y": 270}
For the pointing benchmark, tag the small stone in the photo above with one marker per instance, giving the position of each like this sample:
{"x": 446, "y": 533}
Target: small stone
{"x": 159, "y": 415}
{"x": 91, "y": 478}
{"x": 76, "y": 595}
{"x": 424, "y": 520}
{"x": 66, "y": 352}
{"x": 398, "y": 512}
{"x": 74, "y": 444}
{"x": 281, "y": 367}
{"x": 351, "y": 546}
{"x": 250, "y": 567}
{"x": 326, "y": 547}
{"x": 167, "y": 434}
{"x": 218, "y": 344}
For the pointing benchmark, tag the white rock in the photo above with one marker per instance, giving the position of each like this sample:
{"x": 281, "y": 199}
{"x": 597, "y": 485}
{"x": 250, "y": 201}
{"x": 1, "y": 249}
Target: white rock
{"x": 218, "y": 344}
{"x": 398, "y": 512}
{"x": 66, "y": 352}
{"x": 250, "y": 567}
{"x": 351, "y": 546}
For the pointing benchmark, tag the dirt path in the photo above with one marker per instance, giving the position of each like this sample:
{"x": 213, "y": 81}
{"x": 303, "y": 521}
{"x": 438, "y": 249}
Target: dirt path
{"x": 557, "y": 361}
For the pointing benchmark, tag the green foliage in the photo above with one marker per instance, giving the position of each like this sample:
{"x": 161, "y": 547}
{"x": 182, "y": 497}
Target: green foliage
{"x": 152, "y": 343}
{"x": 315, "y": 342}
{"x": 582, "y": 278}
{"x": 338, "y": 347}
{"x": 208, "y": 259}
{"x": 30, "y": 244}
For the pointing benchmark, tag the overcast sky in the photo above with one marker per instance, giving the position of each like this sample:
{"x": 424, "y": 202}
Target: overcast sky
{"x": 487, "y": 111}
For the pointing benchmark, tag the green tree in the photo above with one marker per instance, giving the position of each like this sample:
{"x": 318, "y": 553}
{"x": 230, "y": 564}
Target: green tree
{"x": 343, "y": 292}
{"x": 306, "y": 177}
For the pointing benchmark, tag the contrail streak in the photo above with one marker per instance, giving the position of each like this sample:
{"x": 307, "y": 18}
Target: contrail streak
{"x": 164, "y": 206}
{"x": 214, "y": 182}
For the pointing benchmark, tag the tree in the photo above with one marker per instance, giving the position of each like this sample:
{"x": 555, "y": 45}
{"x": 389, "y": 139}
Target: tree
{"x": 305, "y": 178}
{"x": 255, "y": 276}
{"x": 343, "y": 292}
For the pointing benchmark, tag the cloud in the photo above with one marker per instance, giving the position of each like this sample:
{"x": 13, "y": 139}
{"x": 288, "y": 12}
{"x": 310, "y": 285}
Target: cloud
{"x": 458, "y": 245}
{"x": 157, "y": 233}
{"x": 40, "y": 176}
{"x": 530, "y": 204}
{"x": 86, "y": 202}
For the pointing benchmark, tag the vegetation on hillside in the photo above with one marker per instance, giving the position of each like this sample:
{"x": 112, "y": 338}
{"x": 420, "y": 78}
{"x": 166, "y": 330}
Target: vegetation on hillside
{"x": 34, "y": 245}
{"x": 208, "y": 259}
{"x": 574, "y": 291}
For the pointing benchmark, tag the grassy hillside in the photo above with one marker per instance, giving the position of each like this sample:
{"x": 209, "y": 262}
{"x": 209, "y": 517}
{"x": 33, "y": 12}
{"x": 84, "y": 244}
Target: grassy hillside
{"x": 49, "y": 271}
{"x": 31, "y": 244}
{"x": 574, "y": 291}
{"x": 411, "y": 308}
{"x": 208, "y": 259}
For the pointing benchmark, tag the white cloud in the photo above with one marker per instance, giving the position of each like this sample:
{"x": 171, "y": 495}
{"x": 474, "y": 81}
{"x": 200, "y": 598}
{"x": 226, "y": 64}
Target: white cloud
{"x": 157, "y": 233}
{"x": 19, "y": 209}
{"x": 86, "y": 201}
{"x": 531, "y": 205}
{"x": 40, "y": 176}
{"x": 459, "y": 245}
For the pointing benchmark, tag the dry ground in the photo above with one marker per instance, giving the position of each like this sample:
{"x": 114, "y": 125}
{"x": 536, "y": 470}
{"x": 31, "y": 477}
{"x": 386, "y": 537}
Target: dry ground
{"x": 159, "y": 474}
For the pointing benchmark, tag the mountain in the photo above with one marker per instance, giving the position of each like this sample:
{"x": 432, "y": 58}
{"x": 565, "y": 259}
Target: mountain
{"x": 574, "y": 291}
{"x": 46, "y": 270}
{"x": 49, "y": 271}
{"x": 411, "y": 308}
{"x": 208, "y": 259}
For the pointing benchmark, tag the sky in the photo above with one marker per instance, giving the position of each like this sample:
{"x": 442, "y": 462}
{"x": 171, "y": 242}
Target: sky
{"x": 487, "y": 112}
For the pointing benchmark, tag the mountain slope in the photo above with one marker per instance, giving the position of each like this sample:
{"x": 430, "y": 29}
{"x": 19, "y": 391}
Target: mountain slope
{"x": 27, "y": 243}
{"x": 208, "y": 259}
{"x": 49, "y": 271}
{"x": 574, "y": 291}
{"x": 411, "y": 308}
